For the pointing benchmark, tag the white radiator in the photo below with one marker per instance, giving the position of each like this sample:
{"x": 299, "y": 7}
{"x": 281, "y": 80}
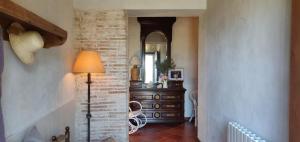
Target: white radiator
{"x": 238, "y": 133}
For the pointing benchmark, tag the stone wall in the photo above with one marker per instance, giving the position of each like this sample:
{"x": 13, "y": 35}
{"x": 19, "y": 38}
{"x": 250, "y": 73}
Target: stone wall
{"x": 105, "y": 32}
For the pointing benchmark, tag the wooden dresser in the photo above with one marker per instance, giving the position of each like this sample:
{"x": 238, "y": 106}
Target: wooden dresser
{"x": 160, "y": 105}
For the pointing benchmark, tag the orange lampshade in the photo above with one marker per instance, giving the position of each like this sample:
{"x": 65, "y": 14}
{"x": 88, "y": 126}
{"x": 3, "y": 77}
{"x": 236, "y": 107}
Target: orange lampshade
{"x": 88, "y": 62}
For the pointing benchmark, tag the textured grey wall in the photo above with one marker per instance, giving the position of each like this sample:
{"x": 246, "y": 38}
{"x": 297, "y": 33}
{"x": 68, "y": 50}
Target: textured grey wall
{"x": 244, "y": 68}
{"x": 32, "y": 92}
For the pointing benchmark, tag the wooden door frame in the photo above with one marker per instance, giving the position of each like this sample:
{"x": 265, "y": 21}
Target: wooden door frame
{"x": 294, "y": 119}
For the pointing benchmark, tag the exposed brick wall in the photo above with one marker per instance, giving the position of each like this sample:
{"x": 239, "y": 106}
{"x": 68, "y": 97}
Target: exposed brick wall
{"x": 105, "y": 32}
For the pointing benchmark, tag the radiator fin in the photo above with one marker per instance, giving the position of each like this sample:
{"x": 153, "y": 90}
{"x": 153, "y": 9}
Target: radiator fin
{"x": 238, "y": 133}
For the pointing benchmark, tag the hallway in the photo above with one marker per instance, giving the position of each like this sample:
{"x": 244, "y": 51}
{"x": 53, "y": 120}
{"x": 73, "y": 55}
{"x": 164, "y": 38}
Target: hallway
{"x": 185, "y": 132}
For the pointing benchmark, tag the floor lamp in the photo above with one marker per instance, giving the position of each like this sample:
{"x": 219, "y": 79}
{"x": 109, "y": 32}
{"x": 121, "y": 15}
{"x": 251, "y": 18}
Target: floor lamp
{"x": 88, "y": 62}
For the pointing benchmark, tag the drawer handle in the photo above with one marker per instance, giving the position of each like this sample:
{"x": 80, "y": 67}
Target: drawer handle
{"x": 147, "y": 106}
{"x": 171, "y": 97}
{"x": 170, "y": 106}
{"x": 143, "y": 97}
{"x": 171, "y": 115}
{"x": 157, "y": 97}
{"x": 156, "y": 106}
{"x": 156, "y": 114}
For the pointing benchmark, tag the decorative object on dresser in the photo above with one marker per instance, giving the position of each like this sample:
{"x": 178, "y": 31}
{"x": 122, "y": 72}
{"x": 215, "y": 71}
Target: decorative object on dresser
{"x": 88, "y": 62}
{"x": 160, "y": 105}
{"x": 135, "y": 70}
{"x": 163, "y": 80}
{"x": 62, "y": 138}
{"x": 175, "y": 74}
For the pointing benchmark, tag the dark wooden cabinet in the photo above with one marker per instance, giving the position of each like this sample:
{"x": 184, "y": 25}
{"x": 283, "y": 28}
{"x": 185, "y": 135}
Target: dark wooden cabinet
{"x": 160, "y": 105}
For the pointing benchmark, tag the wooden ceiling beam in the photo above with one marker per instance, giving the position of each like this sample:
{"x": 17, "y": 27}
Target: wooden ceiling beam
{"x": 11, "y": 12}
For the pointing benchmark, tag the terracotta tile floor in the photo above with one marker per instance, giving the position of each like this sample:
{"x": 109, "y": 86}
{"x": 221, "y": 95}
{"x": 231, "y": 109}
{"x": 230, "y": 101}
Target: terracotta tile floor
{"x": 185, "y": 132}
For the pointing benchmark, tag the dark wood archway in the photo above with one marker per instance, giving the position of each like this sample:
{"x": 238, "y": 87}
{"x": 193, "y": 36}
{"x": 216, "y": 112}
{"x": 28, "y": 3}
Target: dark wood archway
{"x": 153, "y": 24}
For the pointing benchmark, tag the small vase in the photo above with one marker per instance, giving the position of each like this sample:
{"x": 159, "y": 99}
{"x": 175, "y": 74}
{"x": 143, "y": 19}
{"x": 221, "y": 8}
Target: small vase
{"x": 135, "y": 73}
{"x": 165, "y": 84}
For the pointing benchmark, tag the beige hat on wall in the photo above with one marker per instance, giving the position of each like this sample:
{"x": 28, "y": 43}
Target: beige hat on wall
{"x": 24, "y": 43}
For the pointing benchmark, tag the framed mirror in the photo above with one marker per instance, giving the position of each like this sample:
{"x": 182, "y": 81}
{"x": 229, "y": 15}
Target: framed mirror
{"x": 156, "y": 39}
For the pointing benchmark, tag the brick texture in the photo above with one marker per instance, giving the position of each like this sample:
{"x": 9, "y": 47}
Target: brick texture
{"x": 105, "y": 32}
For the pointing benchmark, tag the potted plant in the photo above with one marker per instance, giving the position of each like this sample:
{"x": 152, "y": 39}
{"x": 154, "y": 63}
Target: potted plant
{"x": 163, "y": 68}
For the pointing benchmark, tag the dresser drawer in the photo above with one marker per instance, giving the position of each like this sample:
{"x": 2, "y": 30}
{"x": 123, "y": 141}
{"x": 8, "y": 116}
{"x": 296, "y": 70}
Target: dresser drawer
{"x": 143, "y": 95}
{"x": 170, "y": 96}
{"x": 176, "y": 105}
{"x": 160, "y": 105}
{"x": 170, "y": 114}
{"x": 156, "y": 96}
{"x": 163, "y": 114}
{"x": 148, "y": 105}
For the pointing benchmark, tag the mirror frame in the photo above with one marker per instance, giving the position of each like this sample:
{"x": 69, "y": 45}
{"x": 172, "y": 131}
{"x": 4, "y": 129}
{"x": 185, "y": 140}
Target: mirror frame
{"x": 154, "y": 24}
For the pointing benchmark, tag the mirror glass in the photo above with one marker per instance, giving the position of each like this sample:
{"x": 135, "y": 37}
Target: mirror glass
{"x": 155, "y": 51}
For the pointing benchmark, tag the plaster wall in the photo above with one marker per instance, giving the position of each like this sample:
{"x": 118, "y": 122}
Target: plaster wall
{"x": 184, "y": 50}
{"x": 185, "y": 54}
{"x": 244, "y": 69}
{"x": 33, "y": 92}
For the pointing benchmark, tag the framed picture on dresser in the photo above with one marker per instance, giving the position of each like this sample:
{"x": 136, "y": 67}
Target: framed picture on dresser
{"x": 175, "y": 74}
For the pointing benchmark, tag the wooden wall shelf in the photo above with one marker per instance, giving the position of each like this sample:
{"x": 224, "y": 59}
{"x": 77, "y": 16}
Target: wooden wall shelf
{"x": 11, "y": 12}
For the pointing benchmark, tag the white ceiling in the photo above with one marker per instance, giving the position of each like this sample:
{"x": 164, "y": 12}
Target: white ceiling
{"x": 164, "y": 13}
{"x": 163, "y": 6}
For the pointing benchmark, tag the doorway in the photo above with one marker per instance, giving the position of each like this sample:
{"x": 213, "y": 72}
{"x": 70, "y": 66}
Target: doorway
{"x": 184, "y": 52}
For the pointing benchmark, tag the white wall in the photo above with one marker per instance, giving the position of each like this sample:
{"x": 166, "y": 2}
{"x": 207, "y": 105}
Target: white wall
{"x": 134, "y": 45}
{"x": 184, "y": 50}
{"x": 244, "y": 70}
{"x": 140, "y": 4}
{"x": 32, "y": 92}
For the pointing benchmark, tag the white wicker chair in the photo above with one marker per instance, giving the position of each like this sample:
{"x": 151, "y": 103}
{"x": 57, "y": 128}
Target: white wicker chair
{"x": 194, "y": 98}
{"x": 136, "y": 117}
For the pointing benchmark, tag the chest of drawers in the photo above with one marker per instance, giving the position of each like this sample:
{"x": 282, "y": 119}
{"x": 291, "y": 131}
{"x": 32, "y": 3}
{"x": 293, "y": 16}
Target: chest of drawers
{"x": 160, "y": 105}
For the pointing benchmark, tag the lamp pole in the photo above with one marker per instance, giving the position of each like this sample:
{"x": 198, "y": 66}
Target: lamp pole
{"x": 89, "y": 115}
{"x": 88, "y": 62}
